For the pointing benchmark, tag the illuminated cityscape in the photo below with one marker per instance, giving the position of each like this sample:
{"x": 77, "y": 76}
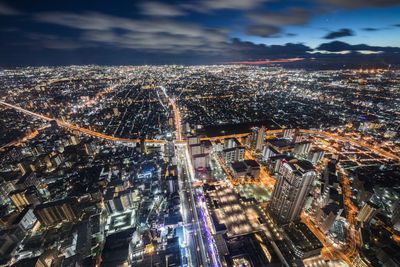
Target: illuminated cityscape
{"x": 245, "y": 161}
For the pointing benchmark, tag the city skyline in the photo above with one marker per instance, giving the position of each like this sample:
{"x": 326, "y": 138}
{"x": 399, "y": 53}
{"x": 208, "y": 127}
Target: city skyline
{"x": 217, "y": 165}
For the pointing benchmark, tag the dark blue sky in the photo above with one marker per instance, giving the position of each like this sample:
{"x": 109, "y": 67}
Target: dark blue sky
{"x": 46, "y": 32}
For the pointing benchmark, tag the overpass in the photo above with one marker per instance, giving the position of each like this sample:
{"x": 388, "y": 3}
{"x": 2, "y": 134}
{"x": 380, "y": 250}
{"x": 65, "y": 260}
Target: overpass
{"x": 180, "y": 141}
{"x": 329, "y": 135}
{"x": 73, "y": 127}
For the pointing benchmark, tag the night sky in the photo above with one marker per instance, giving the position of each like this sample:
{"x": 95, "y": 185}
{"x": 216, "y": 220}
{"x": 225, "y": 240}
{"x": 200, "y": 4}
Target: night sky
{"x": 109, "y": 32}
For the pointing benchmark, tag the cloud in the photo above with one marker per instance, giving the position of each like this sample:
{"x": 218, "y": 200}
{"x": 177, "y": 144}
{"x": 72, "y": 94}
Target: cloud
{"x": 371, "y": 29}
{"x": 155, "y": 42}
{"x": 360, "y": 3}
{"x": 396, "y": 25}
{"x": 156, "y": 33}
{"x": 6, "y": 10}
{"x": 294, "y": 16}
{"x": 209, "y": 6}
{"x": 266, "y": 24}
{"x": 147, "y": 34}
{"x": 337, "y": 46}
{"x": 338, "y": 34}
{"x": 100, "y": 21}
{"x": 159, "y": 9}
{"x": 263, "y": 31}
{"x": 52, "y": 41}
{"x": 241, "y": 50}
{"x": 267, "y": 31}
{"x": 232, "y": 4}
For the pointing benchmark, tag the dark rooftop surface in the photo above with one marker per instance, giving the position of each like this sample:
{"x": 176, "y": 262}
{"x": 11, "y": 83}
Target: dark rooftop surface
{"x": 255, "y": 248}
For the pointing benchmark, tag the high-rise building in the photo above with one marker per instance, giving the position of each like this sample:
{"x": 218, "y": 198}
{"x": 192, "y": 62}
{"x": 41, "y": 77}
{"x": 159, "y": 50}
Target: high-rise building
{"x": 302, "y": 148}
{"x": 51, "y": 213}
{"x": 231, "y": 143}
{"x": 24, "y": 221}
{"x": 258, "y": 137}
{"x": 233, "y": 154}
{"x": 287, "y": 133}
{"x": 268, "y": 152}
{"x": 28, "y": 179}
{"x": 295, "y": 180}
{"x": 5, "y": 188}
{"x": 24, "y": 197}
{"x": 367, "y": 212}
{"x": 233, "y": 150}
{"x": 316, "y": 155}
{"x": 120, "y": 201}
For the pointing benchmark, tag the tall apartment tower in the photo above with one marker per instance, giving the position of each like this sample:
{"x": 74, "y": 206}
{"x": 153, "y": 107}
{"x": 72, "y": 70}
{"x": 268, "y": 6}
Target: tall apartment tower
{"x": 295, "y": 180}
{"x": 260, "y": 138}
{"x": 287, "y": 133}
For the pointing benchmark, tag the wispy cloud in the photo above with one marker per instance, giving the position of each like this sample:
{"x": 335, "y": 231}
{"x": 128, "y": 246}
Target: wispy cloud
{"x": 360, "y": 3}
{"x": 150, "y": 34}
{"x": 267, "y": 24}
{"x": 207, "y": 6}
{"x": 7, "y": 10}
{"x": 159, "y": 9}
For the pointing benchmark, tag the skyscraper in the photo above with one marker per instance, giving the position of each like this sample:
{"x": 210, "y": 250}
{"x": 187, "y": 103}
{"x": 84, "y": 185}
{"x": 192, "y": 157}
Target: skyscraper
{"x": 295, "y": 179}
{"x": 258, "y": 137}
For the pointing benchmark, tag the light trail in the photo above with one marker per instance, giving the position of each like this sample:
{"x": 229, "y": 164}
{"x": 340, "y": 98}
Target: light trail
{"x": 177, "y": 114}
{"x": 329, "y": 135}
{"x": 77, "y": 128}
{"x": 209, "y": 239}
{"x": 20, "y": 140}
{"x": 196, "y": 223}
